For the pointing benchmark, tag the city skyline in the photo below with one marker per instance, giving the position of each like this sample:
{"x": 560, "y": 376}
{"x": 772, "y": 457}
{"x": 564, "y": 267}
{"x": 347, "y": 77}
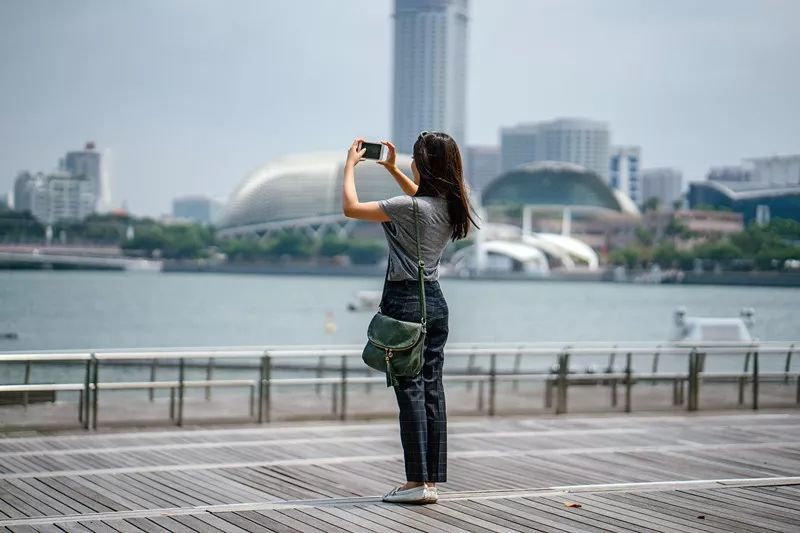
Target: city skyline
{"x": 195, "y": 106}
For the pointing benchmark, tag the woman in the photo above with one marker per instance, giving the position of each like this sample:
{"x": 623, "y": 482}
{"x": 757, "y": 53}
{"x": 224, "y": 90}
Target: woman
{"x": 444, "y": 207}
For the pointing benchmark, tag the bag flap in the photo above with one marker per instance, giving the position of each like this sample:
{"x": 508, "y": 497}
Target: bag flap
{"x": 388, "y": 332}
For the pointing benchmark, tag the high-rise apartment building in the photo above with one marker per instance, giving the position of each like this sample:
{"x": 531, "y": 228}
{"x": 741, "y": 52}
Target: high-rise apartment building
{"x": 88, "y": 163}
{"x": 624, "y": 164}
{"x": 570, "y": 140}
{"x": 53, "y": 197}
{"x": 481, "y": 165}
{"x": 430, "y": 63}
{"x": 664, "y": 184}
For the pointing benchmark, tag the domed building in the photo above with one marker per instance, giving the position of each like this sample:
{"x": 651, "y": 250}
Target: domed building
{"x": 548, "y": 195}
{"x": 552, "y": 185}
{"x": 305, "y": 191}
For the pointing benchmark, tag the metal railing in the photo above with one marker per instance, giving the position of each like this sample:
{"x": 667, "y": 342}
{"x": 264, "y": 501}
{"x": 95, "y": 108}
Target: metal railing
{"x": 557, "y": 379}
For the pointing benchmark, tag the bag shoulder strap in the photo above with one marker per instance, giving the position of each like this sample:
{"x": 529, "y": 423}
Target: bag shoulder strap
{"x": 420, "y": 265}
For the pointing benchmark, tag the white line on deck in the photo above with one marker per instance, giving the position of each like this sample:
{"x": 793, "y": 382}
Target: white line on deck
{"x": 376, "y": 458}
{"x": 685, "y": 485}
{"x": 309, "y": 440}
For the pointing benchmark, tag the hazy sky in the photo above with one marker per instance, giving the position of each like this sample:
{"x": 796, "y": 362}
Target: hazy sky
{"x": 191, "y": 95}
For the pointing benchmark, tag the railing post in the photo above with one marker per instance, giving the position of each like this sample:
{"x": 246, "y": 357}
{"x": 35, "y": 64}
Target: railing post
{"x": 268, "y": 388}
{"x": 743, "y": 379}
{"x": 788, "y": 364}
{"x": 755, "y": 379}
{"x": 628, "y": 382}
{"x": 343, "y": 390}
{"x": 261, "y": 377}
{"x": 252, "y": 400}
{"x": 517, "y": 361}
{"x": 561, "y": 396}
{"x": 27, "y": 382}
{"x": 492, "y": 383}
{"x": 614, "y": 395}
{"x": 655, "y": 363}
{"x": 693, "y": 380}
{"x": 470, "y": 367}
{"x": 320, "y": 365}
{"x": 95, "y": 370}
{"x": 153, "y": 370}
{"x": 87, "y": 396}
{"x": 548, "y": 392}
{"x": 181, "y": 389}
{"x": 209, "y": 376}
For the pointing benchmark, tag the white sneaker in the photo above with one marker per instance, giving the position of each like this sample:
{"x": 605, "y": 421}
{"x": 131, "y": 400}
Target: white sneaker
{"x": 432, "y": 495}
{"x": 421, "y": 494}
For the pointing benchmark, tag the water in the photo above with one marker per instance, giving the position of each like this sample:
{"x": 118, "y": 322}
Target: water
{"x": 97, "y": 310}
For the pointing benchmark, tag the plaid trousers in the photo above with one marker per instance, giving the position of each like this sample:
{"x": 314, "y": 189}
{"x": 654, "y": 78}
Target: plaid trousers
{"x": 423, "y": 418}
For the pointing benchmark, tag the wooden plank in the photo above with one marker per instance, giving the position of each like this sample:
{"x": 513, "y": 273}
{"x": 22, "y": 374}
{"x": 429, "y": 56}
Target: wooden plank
{"x": 143, "y": 524}
{"x": 170, "y": 524}
{"x": 264, "y": 524}
{"x": 345, "y": 513}
{"x": 399, "y": 515}
{"x": 286, "y": 523}
{"x": 655, "y": 502}
{"x": 405, "y": 515}
{"x": 701, "y": 506}
{"x": 675, "y": 520}
{"x": 550, "y": 513}
{"x": 211, "y": 520}
{"x": 509, "y": 521}
{"x": 310, "y": 521}
{"x": 538, "y": 519}
{"x": 57, "y": 506}
{"x": 332, "y": 521}
{"x": 382, "y": 520}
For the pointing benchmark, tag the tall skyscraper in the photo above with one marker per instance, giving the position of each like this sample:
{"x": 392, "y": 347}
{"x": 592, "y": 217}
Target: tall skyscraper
{"x": 430, "y": 63}
{"x": 569, "y": 140}
{"x": 624, "y": 163}
{"x": 88, "y": 163}
{"x": 481, "y": 165}
{"x": 662, "y": 183}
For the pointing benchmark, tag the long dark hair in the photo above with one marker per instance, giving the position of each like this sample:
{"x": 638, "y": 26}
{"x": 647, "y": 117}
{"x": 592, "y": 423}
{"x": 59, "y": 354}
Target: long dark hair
{"x": 438, "y": 161}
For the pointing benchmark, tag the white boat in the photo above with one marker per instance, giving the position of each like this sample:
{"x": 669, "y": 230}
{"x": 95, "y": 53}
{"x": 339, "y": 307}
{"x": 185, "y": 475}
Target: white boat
{"x": 713, "y": 329}
{"x": 366, "y": 301}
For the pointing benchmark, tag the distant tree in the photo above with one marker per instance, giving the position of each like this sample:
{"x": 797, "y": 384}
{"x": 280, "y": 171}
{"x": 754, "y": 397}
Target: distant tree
{"x": 294, "y": 244}
{"x": 651, "y": 204}
{"x": 332, "y": 245}
{"x": 628, "y": 257}
{"x": 676, "y": 229}
{"x": 366, "y": 253}
{"x": 644, "y": 236}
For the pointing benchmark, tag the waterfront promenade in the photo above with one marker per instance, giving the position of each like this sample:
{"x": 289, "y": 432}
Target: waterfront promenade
{"x": 686, "y": 472}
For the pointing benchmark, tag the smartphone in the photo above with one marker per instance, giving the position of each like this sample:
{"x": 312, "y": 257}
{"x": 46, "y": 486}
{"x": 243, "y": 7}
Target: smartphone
{"x": 374, "y": 150}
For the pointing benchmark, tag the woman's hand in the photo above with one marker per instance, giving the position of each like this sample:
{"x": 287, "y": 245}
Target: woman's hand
{"x": 355, "y": 153}
{"x": 391, "y": 158}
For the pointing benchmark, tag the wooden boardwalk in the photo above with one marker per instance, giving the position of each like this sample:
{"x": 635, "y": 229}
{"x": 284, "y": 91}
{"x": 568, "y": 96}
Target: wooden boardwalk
{"x": 666, "y": 473}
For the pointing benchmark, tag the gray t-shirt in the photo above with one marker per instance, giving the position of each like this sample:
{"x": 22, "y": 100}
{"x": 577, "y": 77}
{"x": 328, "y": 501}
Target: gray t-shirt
{"x": 434, "y": 233}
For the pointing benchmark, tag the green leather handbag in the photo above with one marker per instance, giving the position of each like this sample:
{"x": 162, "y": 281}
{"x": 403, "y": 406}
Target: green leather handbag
{"x": 396, "y": 346}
